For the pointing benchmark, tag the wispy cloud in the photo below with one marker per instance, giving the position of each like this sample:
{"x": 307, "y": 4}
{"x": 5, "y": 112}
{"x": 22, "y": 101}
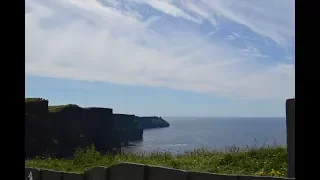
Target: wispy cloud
{"x": 253, "y": 52}
{"x": 169, "y": 9}
{"x": 200, "y": 10}
{"x": 272, "y": 18}
{"x": 235, "y": 34}
{"x": 230, "y": 37}
{"x": 91, "y": 40}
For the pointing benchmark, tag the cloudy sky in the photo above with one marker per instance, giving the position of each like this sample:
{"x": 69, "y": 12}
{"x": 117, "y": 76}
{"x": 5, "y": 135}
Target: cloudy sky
{"x": 163, "y": 57}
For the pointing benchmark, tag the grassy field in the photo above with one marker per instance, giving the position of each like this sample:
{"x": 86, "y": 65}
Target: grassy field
{"x": 270, "y": 161}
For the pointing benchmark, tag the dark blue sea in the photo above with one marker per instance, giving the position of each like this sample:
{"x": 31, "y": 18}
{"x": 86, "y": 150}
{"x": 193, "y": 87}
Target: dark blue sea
{"x": 186, "y": 133}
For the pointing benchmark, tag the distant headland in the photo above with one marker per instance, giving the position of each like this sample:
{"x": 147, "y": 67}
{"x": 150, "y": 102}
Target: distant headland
{"x": 59, "y": 130}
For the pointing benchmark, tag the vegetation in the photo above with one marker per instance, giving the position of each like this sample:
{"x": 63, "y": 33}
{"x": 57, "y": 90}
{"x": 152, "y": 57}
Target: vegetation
{"x": 265, "y": 161}
{"x": 34, "y": 99}
{"x": 60, "y": 107}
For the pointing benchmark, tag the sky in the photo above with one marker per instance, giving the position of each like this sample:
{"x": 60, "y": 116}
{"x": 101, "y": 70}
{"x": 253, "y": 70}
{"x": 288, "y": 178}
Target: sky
{"x": 208, "y": 58}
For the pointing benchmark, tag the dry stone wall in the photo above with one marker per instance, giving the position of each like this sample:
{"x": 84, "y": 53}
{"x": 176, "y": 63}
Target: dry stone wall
{"x": 131, "y": 171}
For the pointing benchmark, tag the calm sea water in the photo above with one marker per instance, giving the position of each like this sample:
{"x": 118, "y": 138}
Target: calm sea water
{"x": 190, "y": 133}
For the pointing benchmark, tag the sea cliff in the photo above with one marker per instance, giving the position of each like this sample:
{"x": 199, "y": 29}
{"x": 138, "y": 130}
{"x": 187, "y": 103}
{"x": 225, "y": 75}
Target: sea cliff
{"x": 59, "y": 130}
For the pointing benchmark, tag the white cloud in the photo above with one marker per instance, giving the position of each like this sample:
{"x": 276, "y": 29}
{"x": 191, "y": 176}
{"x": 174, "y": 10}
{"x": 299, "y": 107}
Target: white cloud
{"x": 202, "y": 11}
{"x": 253, "y": 52}
{"x": 287, "y": 58}
{"x": 235, "y": 34}
{"x": 213, "y": 32}
{"x": 230, "y": 37}
{"x": 284, "y": 69}
{"x": 167, "y": 8}
{"x": 271, "y": 18}
{"x": 104, "y": 44}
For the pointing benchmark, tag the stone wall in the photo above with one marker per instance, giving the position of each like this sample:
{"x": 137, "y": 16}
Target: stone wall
{"x": 130, "y": 171}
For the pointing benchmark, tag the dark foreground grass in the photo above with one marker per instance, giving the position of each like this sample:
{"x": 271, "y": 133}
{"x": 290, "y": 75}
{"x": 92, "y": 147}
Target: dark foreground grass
{"x": 271, "y": 161}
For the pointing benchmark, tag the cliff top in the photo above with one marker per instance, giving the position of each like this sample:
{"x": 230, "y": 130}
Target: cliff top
{"x": 34, "y": 99}
{"x": 117, "y": 114}
{"x": 150, "y": 117}
{"x": 59, "y": 108}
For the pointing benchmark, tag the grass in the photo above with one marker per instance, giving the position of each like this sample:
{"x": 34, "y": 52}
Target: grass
{"x": 33, "y": 99}
{"x": 265, "y": 161}
{"x": 60, "y": 107}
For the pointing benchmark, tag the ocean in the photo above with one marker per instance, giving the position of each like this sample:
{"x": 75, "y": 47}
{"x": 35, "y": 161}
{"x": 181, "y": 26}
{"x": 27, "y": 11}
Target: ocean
{"x": 188, "y": 133}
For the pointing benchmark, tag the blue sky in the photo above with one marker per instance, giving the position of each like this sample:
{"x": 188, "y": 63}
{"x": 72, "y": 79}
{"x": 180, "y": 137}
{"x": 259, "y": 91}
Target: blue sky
{"x": 162, "y": 57}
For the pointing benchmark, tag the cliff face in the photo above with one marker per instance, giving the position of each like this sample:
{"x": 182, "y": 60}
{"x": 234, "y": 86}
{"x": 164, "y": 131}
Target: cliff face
{"x": 62, "y": 129}
{"x": 128, "y": 127}
{"x": 152, "y": 122}
{"x": 37, "y": 131}
{"x": 36, "y": 105}
{"x": 79, "y": 127}
{"x": 59, "y": 130}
